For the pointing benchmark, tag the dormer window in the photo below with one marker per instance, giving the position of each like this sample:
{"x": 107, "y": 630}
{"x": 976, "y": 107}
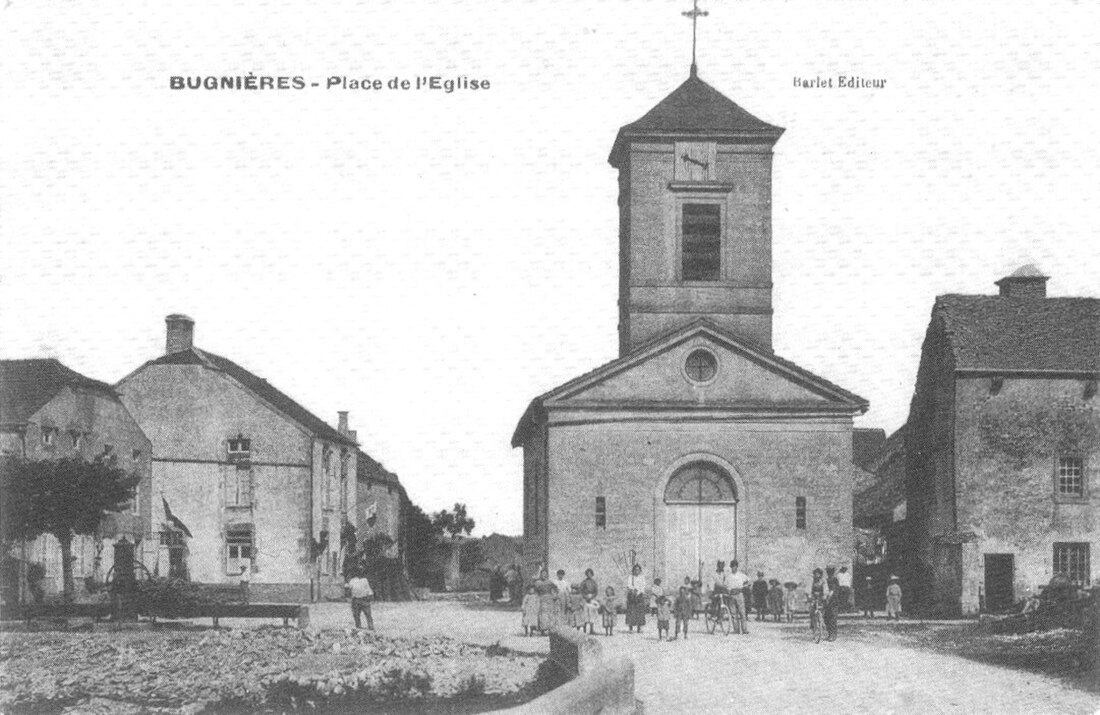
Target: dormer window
{"x": 240, "y": 449}
{"x": 701, "y": 242}
{"x": 49, "y": 436}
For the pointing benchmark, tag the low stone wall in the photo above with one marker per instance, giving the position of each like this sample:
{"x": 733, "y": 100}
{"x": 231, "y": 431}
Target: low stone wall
{"x": 599, "y": 685}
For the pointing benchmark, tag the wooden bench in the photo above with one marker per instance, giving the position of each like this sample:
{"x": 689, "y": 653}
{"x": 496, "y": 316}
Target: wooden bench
{"x": 97, "y": 611}
{"x": 286, "y": 611}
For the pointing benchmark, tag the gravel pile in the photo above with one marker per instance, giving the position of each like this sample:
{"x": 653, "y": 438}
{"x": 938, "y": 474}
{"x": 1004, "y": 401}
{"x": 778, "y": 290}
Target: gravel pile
{"x": 186, "y": 671}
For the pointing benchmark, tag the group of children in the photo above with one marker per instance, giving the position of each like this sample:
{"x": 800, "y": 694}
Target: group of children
{"x": 582, "y": 611}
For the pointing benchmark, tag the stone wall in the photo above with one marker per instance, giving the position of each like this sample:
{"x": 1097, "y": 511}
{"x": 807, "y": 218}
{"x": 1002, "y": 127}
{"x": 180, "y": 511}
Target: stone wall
{"x": 1008, "y": 442}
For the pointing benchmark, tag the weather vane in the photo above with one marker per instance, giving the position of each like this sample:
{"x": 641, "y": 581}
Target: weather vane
{"x": 695, "y": 13}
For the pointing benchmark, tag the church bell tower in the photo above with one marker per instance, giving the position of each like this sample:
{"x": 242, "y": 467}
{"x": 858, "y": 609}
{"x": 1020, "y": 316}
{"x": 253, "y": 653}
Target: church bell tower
{"x": 695, "y": 215}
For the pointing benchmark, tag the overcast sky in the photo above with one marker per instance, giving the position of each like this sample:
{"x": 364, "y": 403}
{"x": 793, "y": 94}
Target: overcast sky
{"x": 432, "y": 261}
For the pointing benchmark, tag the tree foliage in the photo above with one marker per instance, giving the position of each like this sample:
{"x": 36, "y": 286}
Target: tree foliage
{"x": 63, "y": 497}
{"x": 421, "y": 538}
{"x": 453, "y": 524}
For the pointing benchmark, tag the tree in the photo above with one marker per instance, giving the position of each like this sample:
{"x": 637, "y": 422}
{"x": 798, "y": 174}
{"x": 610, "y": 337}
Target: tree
{"x": 421, "y": 538}
{"x": 453, "y": 524}
{"x": 63, "y": 497}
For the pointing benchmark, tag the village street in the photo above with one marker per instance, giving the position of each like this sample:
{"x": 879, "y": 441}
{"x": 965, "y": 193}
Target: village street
{"x": 776, "y": 668}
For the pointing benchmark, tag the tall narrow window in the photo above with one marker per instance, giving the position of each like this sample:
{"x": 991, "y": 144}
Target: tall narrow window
{"x": 800, "y": 512}
{"x": 1073, "y": 561}
{"x": 238, "y": 488}
{"x": 238, "y": 548}
{"x": 1071, "y": 477}
{"x": 601, "y": 512}
{"x": 701, "y": 234}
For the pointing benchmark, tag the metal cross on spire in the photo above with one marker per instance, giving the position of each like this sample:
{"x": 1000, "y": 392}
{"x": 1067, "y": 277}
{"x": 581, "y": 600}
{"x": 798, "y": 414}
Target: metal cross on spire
{"x": 695, "y": 13}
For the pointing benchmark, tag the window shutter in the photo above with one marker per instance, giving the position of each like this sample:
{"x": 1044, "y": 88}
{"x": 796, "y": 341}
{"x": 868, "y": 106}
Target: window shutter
{"x": 245, "y": 478}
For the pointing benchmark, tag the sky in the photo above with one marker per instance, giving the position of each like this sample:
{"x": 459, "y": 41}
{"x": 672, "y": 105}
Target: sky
{"x": 431, "y": 261}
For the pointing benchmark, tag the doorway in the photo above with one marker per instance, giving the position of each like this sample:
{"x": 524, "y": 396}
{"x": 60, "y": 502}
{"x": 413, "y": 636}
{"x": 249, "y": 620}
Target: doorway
{"x": 701, "y": 502}
{"x": 999, "y": 575}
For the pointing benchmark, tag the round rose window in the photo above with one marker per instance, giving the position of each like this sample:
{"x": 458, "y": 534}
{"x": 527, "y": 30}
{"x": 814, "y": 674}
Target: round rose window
{"x": 701, "y": 366}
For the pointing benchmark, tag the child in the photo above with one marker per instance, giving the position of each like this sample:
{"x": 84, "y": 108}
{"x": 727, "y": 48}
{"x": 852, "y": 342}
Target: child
{"x": 683, "y": 610}
{"x": 696, "y": 598}
{"x": 789, "y": 600}
{"x": 607, "y": 608}
{"x": 664, "y": 615}
{"x": 591, "y": 610}
{"x": 530, "y": 612}
{"x": 656, "y": 592}
{"x": 775, "y": 600}
{"x": 576, "y": 608}
{"x": 893, "y": 599}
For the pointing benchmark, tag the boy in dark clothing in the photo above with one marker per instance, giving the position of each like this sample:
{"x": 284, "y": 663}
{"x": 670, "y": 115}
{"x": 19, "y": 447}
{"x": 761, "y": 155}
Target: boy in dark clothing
{"x": 683, "y": 610}
{"x": 868, "y": 597}
{"x": 760, "y": 596}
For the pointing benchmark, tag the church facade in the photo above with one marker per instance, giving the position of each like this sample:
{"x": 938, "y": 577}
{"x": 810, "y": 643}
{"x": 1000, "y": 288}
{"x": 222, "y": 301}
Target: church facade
{"x": 698, "y": 442}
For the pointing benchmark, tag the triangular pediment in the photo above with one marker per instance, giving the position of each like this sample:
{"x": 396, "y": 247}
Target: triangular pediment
{"x": 663, "y": 373}
{"x": 747, "y": 379}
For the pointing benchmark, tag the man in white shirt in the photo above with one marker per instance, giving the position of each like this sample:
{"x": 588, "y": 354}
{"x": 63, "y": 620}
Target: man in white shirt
{"x": 361, "y": 595}
{"x": 736, "y": 582}
{"x": 844, "y": 591}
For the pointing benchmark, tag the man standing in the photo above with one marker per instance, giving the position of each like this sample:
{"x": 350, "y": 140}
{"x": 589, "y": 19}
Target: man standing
{"x": 737, "y": 582}
{"x": 760, "y": 596}
{"x": 831, "y": 601}
{"x": 361, "y": 595}
{"x": 844, "y": 594}
{"x": 246, "y": 579}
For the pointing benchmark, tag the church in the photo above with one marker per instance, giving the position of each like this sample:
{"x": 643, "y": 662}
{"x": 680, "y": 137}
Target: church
{"x": 698, "y": 442}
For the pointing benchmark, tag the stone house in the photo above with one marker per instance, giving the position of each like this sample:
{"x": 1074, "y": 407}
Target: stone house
{"x": 698, "y": 442}
{"x": 243, "y": 476}
{"x": 381, "y": 505}
{"x": 1002, "y": 447}
{"x": 48, "y": 411}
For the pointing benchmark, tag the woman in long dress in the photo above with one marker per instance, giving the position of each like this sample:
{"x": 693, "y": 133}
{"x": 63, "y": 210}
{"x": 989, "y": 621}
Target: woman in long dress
{"x": 637, "y": 599}
{"x": 549, "y": 607}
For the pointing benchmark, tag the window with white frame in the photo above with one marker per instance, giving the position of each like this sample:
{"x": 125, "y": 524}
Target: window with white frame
{"x": 49, "y": 436}
{"x": 239, "y": 449}
{"x": 1071, "y": 477}
{"x": 239, "y": 548}
{"x": 1072, "y": 559}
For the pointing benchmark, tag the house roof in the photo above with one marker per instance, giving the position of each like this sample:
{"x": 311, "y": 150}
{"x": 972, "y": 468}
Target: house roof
{"x": 258, "y": 386}
{"x": 369, "y": 468}
{"x": 1022, "y": 334}
{"x": 695, "y": 109}
{"x": 644, "y": 351}
{"x": 866, "y": 443}
{"x": 27, "y": 385}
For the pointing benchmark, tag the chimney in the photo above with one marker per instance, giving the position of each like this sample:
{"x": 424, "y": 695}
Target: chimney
{"x": 181, "y": 333}
{"x": 342, "y": 422}
{"x": 1025, "y": 282}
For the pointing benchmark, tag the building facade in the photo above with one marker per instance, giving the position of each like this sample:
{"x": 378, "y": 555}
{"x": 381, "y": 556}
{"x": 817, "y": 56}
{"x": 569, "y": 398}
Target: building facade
{"x": 1002, "y": 447}
{"x": 243, "y": 476}
{"x": 697, "y": 443}
{"x": 48, "y": 411}
{"x": 381, "y": 506}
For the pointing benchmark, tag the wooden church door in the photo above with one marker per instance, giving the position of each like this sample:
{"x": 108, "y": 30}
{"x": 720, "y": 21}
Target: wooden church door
{"x": 701, "y": 518}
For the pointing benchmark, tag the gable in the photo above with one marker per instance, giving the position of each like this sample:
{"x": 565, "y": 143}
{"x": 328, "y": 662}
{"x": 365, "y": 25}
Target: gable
{"x": 740, "y": 379}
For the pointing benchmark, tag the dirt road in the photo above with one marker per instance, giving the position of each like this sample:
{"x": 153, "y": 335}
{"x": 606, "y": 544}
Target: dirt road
{"x": 775, "y": 669}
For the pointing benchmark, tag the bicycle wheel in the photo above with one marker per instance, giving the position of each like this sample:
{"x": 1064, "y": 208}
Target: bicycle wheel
{"x": 711, "y": 623}
{"x": 725, "y": 619}
{"x": 817, "y": 623}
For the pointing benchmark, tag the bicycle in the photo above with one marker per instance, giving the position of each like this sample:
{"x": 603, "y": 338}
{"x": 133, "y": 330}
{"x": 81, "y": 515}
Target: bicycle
{"x": 817, "y": 620}
{"x": 719, "y": 616}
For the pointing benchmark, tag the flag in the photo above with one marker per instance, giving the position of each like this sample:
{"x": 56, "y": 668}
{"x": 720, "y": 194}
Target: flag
{"x": 175, "y": 520}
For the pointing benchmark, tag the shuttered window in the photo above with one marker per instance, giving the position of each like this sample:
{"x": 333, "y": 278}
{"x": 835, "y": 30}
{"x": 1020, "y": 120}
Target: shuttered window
{"x": 701, "y": 233}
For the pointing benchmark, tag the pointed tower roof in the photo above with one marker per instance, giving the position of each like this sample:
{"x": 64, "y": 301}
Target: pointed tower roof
{"x": 695, "y": 110}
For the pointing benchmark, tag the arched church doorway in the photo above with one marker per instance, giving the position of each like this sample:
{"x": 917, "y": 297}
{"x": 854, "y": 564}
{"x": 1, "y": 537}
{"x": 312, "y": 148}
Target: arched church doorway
{"x": 701, "y": 511}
